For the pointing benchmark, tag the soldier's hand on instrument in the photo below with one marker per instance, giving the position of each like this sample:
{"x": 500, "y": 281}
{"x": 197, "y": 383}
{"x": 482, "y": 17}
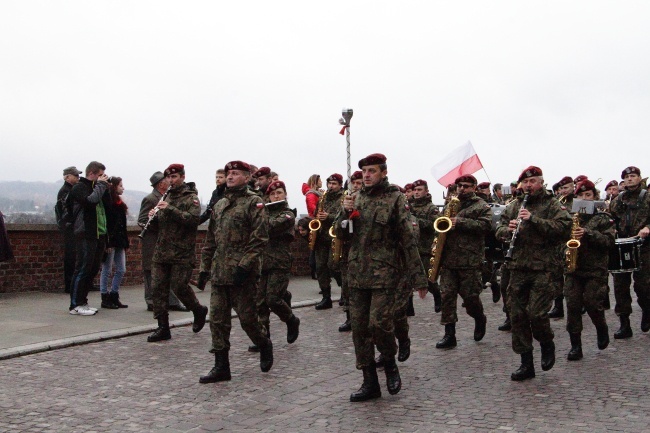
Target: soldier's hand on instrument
{"x": 524, "y": 214}
{"x": 578, "y": 233}
{"x": 512, "y": 225}
{"x": 453, "y": 222}
{"x": 423, "y": 292}
{"x": 322, "y": 215}
{"x": 162, "y": 205}
{"x": 644, "y": 232}
{"x": 348, "y": 203}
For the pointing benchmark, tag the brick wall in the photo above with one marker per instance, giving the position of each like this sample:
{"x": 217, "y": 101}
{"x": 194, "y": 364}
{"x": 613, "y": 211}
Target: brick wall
{"x": 38, "y": 262}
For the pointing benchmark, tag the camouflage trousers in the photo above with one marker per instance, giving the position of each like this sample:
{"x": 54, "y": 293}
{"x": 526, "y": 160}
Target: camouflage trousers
{"x": 466, "y": 283}
{"x": 271, "y": 290}
{"x": 434, "y": 288}
{"x": 588, "y": 292}
{"x": 623, "y": 281}
{"x": 345, "y": 290}
{"x": 505, "y": 282}
{"x": 223, "y": 299}
{"x": 401, "y": 324}
{"x": 325, "y": 268}
{"x": 371, "y": 314}
{"x": 171, "y": 277}
{"x": 557, "y": 278}
{"x": 531, "y": 294}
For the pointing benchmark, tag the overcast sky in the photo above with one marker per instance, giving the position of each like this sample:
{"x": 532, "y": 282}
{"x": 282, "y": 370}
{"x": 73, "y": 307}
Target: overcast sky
{"x": 139, "y": 85}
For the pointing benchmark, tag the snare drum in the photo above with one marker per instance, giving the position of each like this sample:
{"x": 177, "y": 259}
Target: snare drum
{"x": 626, "y": 256}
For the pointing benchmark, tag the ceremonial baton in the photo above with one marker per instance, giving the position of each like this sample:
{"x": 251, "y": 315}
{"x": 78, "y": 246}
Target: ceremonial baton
{"x": 345, "y": 121}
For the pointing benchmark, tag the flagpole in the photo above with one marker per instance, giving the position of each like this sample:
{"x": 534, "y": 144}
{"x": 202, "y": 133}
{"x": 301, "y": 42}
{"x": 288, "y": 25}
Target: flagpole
{"x": 345, "y": 121}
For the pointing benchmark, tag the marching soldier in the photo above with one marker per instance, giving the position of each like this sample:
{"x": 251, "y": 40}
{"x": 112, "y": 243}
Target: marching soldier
{"x": 408, "y": 191}
{"x": 483, "y": 191}
{"x": 173, "y": 258}
{"x": 328, "y": 206}
{"x": 611, "y": 191}
{"x": 236, "y": 238}
{"x": 263, "y": 179}
{"x": 461, "y": 262}
{"x": 425, "y": 212}
{"x": 356, "y": 183}
{"x": 381, "y": 227}
{"x": 586, "y": 285}
{"x": 565, "y": 189}
{"x": 540, "y": 228}
{"x": 631, "y": 212}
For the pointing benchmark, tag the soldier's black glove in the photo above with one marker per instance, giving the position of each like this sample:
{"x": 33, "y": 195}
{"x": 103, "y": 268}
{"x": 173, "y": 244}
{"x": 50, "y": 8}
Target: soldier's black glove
{"x": 239, "y": 276}
{"x": 203, "y": 280}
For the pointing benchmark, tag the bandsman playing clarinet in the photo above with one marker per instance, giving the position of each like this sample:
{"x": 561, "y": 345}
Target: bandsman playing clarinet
{"x": 538, "y": 229}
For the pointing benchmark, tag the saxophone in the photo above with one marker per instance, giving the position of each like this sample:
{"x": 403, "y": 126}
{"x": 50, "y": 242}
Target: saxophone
{"x": 314, "y": 225}
{"x": 337, "y": 244}
{"x": 571, "y": 254}
{"x": 441, "y": 225}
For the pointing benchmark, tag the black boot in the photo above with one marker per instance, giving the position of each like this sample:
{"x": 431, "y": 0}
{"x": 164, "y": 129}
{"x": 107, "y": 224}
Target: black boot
{"x": 645, "y": 321}
{"x": 115, "y": 297}
{"x": 557, "y": 312}
{"x": 575, "y": 353}
{"x": 107, "y": 302}
{"x": 379, "y": 361}
{"x": 338, "y": 279}
{"x": 403, "y": 349}
{"x": 221, "y": 370}
{"x": 199, "y": 318}
{"x": 603, "y": 336}
{"x": 393, "y": 381}
{"x": 496, "y": 292}
{"x": 449, "y": 340}
{"x": 293, "y": 329}
{"x": 325, "y": 303}
{"x": 287, "y": 297}
{"x": 625, "y": 331}
{"x": 526, "y": 370}
{"x": 369, "y": 388}
{"x": 410, "y": 310}
{"x": 548, "y": 355}
{"x": 162, "y": 332}
{"x": 347, "y": 325}
{"x": 437, "y": 299}
{"x": 479, "y": 328}
{"x": 266, "y": 357}
{"x": 506, "y": 326}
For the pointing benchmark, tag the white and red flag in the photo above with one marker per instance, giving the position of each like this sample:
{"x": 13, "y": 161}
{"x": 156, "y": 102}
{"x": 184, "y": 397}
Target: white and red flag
{"x": 462, "y": 160}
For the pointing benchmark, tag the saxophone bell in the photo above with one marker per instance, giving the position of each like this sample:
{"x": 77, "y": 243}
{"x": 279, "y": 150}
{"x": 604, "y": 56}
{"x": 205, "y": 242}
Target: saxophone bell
{"x": 442, "y": 224}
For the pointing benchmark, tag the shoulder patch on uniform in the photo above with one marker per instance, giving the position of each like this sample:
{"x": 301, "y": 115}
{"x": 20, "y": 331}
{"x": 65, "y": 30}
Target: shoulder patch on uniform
{"x": 563, "y": 207}
{"x": 196, "y": 202}
{"x": 486, "y": 206}
{"x": 406, "y": 206}
{"x": 259, "y": 205}
{"x": 287, "y": 216}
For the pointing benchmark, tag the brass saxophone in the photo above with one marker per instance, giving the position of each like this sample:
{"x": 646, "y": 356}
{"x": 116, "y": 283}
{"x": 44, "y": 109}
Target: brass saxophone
{"x": 441, "y": 225}
{"x": 337, "y": 244}
{"x": 314, "y": 225}
{"x": 571, "y": 254}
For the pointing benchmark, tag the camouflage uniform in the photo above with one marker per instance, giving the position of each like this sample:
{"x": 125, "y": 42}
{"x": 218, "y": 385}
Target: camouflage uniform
{"x": 276, "y": 265}
{"x": 425, "y": 213}
{"x": 587, "y": 286}
{"x": 462, "y": 258}
{"x": 404, "y": 291}
{"x": 631, "y": 214}
{"x": 235, "y": 241}
{"x": 381, "y": 230}
{"x": 173, "y": 258}
{"x": 558, "y": 269}
{"x": 325, "y": 266}
{"x": 532, "y": 265}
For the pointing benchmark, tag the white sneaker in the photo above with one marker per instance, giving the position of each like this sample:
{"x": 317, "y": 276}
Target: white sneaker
{"x": 90, "y": 308}
{"x": 82, "y": 311}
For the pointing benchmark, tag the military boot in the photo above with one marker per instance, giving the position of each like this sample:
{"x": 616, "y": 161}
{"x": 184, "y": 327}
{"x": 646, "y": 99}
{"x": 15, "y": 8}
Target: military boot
{"x": 347, "y": 325}
{"x": 199, "y": 318}
{"x": 602, "y": 331}
{"x": 379, "y": 361}
{"x": 548, "y": 355}
{"x": 107, "y": 302}
{"x": 266, "y": 356}
{"x": 526, "y": 370}
{"x": 557, "y": 312}
{"x": 254, "y": 348}
{"x": 369, "y": 388}
{"x": 326, "y": 302}
{"x": 645, "y": 320}
{"x": 162, "y": 332}
{"x": 449, "y": 339}
{"x": 221, "y": 370}
{"x": 403, "y": 349}
{"x": 496, "y": 292}
{"x": 287, "y": 297}
{"x": 625, "y": 331}
{"x": 410, "y": 310}
{"x": 393, "y": 380}
{"x": 575, "y": 353}
{"x": 506, "y": 325}
{"x": 293, "y": 329}
{"x": 434, "y": 289}
{"x": 479, "y": 328}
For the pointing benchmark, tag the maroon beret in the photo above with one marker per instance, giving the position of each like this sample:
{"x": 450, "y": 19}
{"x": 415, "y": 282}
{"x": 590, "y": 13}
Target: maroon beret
{"x": 420, "y": 182}
{"x": 579, "y": 179}
{"x": 483, "y": 185}
{"x": 402, "y": 190}
{"x": 611, "y": 183}
{"x": 408, "y": 186}
{"x": 530, "y": 172}
{"x": 175, "y": 168}
{"x": 263, "y": 171}
{"x": 372, "y": 159}
{"x": 466, "y": 178}
{"x": 237, "y": 165}
{"x": 630, "y": 169}
{"x": 275, "y": 185}
{"x": 335, "y": 178}
{"x": 356, "y": 175}
{"x": 585, "y": 185}
{"x": 565, "y": 181}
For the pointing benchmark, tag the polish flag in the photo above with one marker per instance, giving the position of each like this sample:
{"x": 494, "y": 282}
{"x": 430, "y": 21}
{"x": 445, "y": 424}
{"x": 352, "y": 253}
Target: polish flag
{"x": 462, "y": 160}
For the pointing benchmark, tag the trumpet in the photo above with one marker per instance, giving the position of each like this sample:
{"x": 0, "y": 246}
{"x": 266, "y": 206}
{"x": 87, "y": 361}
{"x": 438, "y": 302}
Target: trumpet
{"x": 155, "y": 212}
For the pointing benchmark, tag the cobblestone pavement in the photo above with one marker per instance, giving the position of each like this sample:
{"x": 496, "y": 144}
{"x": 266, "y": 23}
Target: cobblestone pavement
{"x": 128, "y": 385}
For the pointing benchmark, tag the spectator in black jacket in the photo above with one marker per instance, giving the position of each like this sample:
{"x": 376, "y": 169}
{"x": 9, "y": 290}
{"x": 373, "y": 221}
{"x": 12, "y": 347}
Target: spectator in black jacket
{"x": 70, "y": 178}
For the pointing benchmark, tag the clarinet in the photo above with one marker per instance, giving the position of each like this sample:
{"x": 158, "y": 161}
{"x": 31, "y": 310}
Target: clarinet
{"x": 153, "y": 215}
{"x": 514, "y": 234}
